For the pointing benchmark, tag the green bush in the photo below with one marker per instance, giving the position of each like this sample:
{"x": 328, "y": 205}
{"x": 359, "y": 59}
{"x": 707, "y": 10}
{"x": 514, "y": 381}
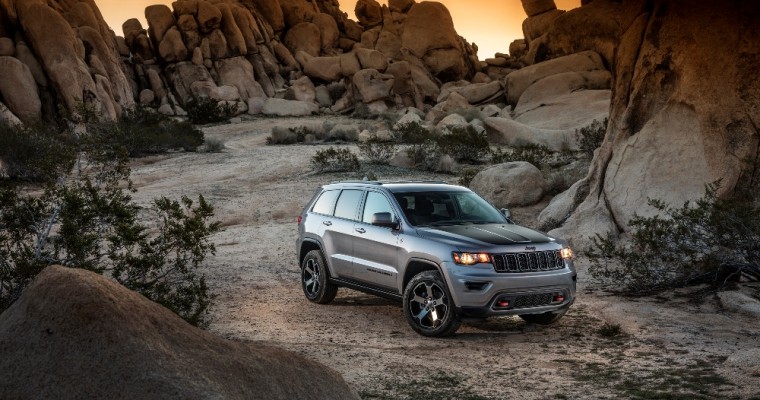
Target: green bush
{"x": 377, "y": 151}
{"x": 422, "y": 144}
{"x": 591, "y": 137}
{"x": 464, "y": 144}
{"x": 335, "y": 160}
{"x": 708, "y": 241}
{"x": 204, "y": 110}
{"x": 35, "y": 152}
{"x": 538, "y": 155}
{"x": 83, "y": 216}
{"x": 142, "y": 131}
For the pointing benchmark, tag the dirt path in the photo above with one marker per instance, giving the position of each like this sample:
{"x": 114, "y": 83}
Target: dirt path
{"x": 679, "y": 347}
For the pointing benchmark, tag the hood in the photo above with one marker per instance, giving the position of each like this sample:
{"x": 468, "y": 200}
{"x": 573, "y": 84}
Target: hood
{"x": 487, "y": 234}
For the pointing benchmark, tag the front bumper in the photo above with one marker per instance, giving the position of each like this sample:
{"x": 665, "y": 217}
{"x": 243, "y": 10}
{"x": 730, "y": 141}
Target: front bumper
{"x": 479, "y": 291}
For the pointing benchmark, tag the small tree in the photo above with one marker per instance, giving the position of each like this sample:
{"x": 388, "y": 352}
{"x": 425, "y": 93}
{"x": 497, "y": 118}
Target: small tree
{"x": 335, "y": 160}
{"x": 708, "y": 241}
{"x": 84, "y": 217}
{"x": 377, "y": 151}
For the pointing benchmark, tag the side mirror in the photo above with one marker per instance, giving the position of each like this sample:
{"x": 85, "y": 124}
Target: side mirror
{"x": 384, "y": 219}
{"x": 507, "y": 214}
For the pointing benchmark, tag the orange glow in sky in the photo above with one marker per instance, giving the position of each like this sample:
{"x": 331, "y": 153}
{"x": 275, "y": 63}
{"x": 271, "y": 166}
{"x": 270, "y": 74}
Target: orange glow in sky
{"x": 491, "y": 24}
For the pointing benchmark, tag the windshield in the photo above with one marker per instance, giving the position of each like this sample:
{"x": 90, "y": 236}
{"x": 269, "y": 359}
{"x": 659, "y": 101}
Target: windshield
{"x": 447, "y": 208}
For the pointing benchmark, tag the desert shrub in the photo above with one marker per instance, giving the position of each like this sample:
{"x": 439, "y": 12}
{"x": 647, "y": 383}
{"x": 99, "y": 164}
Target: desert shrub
{"x": 335, "y": 160}
{"x": 591, "y": 137}
{"x": 362, "y": 111}
{"x": 709, "y": 240}
{"x": 464, "y": 144}
{"x": 422, "y": 144}
{"x": 35, "y": 152}
{"x": 535, "y": 154}
{"x": 204, "y": 110}
{"x": 377, "y": 151}
{"x": 141, "y": 131}
{"x": 467, "y": 175}
{"x": 86, "y": 219}
{"x": 212, "y": 146}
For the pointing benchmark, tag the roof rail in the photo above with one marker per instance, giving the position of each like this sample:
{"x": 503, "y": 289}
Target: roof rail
{"x": 366, "y": 182}
{"x": 418, "y": 181}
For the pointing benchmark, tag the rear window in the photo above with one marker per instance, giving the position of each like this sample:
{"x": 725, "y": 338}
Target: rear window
{"x": 326, "y": 202}
{"x": 348, "y": 204}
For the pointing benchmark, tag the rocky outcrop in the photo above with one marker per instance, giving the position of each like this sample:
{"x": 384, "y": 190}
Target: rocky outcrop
{"x": 72, "y": 56}
{"x": 679, "y": 119}
{"x": 76, "y": 58}
{"x": 76, "y": 334}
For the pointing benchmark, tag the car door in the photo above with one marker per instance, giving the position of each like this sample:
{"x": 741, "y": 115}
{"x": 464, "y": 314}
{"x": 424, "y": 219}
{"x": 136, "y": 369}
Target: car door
{"x": 339, "y": 230}
{"x": 376, "y": 248}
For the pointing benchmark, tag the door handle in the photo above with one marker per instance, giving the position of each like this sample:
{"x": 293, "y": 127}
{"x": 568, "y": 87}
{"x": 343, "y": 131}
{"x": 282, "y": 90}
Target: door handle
{"x": 326, "y": 223}
{"x": 360, "y": 230}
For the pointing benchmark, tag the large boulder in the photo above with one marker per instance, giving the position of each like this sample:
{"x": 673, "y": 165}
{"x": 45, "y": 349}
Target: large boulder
{"x": 172, "y": 48}
{"x": 19, "y": 90}
{"x": 238, "y": 72}
{"x": 209, "y": 17}
{"x": 373, "y": 85}
{"x": 510, "y": 184}
{"x": 369, "y": 13}
{"x": 507, "y": 131}
{"x": 55, "y": 44}
{"x": 429, "y": 35}
{"x": 235, "y": 39}
{"x": 160, "y": 19}
{"x": 328, "y": 30}
{"x": 680, "y": 119}
{"x": 289, "y": 108}
{"x": 270, "y": 11}
{"x": 324, "y": 68}
{"x": 521, "y": 80}
{"x": 297, "y": 11}
{"x": 536, "y": 7}
{"x": 477, "y": 93}
{"x": 76, "y": 334}
{"x": 304, "y": 37}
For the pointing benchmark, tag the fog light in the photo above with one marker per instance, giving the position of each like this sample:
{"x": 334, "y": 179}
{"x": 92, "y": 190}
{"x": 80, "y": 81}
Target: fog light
{"x": 502, "y": 304}
{"x": 559, "y": 298}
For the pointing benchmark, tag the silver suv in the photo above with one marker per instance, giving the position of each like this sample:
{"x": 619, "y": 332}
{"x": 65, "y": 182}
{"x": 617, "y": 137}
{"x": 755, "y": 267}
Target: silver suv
{"x": 441, "y": 249}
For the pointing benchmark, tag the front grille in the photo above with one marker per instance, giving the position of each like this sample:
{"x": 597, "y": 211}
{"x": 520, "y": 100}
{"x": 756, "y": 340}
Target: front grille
{"x": 532, "y": 300}
{"x": 528, "y": 261}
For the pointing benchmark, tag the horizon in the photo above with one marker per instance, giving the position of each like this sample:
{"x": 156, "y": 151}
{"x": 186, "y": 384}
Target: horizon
{"x": 491, "y": 24}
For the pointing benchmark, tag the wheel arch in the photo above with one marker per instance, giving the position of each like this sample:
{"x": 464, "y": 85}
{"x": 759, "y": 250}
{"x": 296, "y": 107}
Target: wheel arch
{"x": 414, "y": 267}
{"x": 306, "y": 246}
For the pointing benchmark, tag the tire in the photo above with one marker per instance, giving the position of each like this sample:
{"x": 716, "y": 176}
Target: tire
{"x": 315, "y": 279}
{"x": 545, "y": 318}
{"x": 428, "y": 307}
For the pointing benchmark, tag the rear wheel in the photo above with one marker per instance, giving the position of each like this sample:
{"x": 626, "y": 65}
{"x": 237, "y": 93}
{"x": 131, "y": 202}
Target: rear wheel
{"x": 314, "y": 279}
{"x": 545, "y": 318}
{"x": 428, "y": 307}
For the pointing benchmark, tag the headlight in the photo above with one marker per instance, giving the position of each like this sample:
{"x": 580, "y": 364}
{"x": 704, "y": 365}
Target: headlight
{"x": 566, "y": 253}
{"x": 471, "y": 258}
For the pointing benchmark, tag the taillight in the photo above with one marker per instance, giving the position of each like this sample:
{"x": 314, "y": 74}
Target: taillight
{"x": 299, "y": 219}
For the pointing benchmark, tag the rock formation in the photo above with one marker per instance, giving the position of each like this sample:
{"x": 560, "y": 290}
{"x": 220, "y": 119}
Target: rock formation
{"x": 684, "y": 109}
{"x": 68, "y": 50}
{"x": 199, "y": 48}
{"x": 75, "y": 334}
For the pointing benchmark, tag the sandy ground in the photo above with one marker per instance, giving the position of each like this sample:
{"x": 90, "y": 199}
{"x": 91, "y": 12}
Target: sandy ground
{"x": 684, "y": 346}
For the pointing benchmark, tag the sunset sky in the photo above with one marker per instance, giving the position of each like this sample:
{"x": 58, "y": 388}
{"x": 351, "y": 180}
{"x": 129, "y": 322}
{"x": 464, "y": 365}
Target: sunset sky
{"x": 491, "y": 24}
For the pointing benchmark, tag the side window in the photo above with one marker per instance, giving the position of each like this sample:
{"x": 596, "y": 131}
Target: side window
{"x": 326, "y": 202}
{"x": 376, "y": 203}
{"x": 348, "y": 204}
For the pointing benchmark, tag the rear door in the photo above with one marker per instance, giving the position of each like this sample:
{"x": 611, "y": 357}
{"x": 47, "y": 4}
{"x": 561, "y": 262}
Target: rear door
{"x": 376, "y": 248}
{"x": 338, "y": 232}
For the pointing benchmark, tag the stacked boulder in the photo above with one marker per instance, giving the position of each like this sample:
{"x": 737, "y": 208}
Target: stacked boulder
{"x": 264, "y": 55}
{"x": 58, "y": 52}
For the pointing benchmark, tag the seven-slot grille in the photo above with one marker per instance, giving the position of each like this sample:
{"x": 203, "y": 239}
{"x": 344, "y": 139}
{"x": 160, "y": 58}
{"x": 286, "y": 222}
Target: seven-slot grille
{"x": 528, "y": 261}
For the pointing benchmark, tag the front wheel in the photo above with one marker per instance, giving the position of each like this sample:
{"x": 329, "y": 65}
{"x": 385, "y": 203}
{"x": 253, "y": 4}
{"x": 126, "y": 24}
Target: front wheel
{"x": 428, "y": 308}
{"x": 545, "y": 318}
{"x": 314, "y": 279}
